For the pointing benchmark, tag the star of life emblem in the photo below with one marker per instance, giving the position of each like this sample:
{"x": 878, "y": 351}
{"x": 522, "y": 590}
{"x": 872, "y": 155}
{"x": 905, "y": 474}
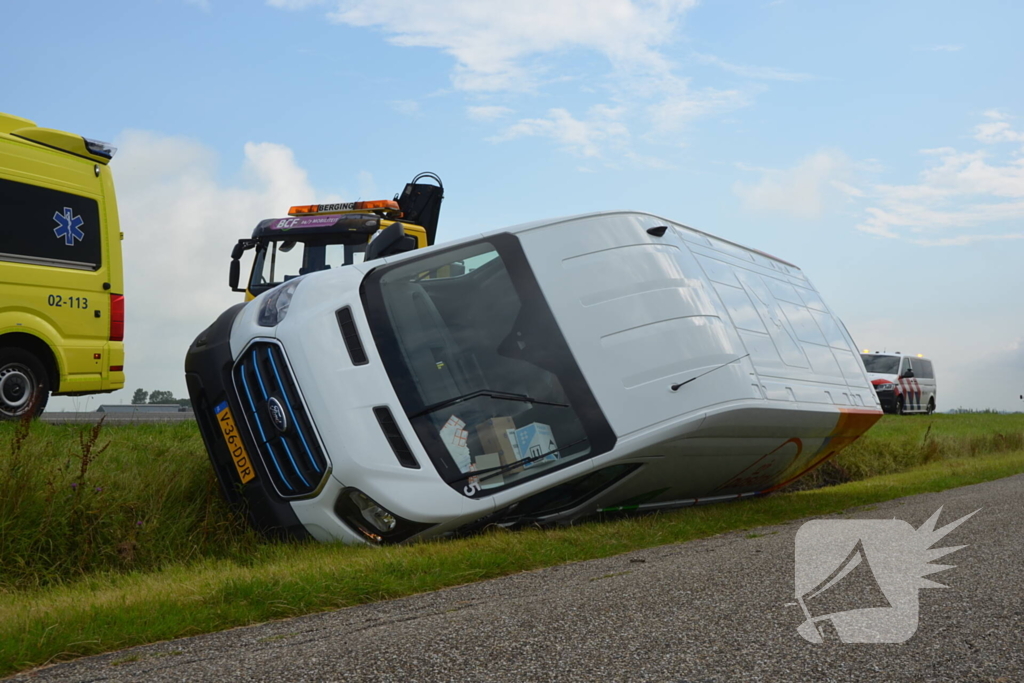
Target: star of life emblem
{"x": 68, "y": 226}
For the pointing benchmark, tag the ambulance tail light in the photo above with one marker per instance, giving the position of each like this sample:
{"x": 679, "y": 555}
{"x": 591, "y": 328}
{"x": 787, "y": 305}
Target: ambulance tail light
{"x": 117, "y": 317}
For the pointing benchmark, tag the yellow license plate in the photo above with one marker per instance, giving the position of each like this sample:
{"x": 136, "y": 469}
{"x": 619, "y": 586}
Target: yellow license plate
{"x": 234, "y": 442}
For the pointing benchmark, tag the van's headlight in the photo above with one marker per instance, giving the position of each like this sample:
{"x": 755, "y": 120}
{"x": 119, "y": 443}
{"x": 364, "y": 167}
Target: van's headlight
{"x": 274, "y": 306}
{"x": 374, "y": 522}
{"x": 885, "y": 387}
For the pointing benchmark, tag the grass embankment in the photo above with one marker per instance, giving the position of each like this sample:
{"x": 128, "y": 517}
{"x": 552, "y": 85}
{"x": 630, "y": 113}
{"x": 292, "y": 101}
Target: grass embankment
{"x": 193, "y": 569}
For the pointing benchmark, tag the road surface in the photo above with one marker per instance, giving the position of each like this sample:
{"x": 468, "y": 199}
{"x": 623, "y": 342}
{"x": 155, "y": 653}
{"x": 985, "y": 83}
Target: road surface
{"x": 712, "y": 610}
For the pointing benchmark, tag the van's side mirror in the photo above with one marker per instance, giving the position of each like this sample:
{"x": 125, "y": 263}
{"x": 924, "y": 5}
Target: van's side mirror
{"x": 908, "y": 373}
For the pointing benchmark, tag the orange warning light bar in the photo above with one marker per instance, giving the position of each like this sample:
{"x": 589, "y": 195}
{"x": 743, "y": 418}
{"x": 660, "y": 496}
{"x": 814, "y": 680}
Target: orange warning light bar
{"x": 313, "y": 209}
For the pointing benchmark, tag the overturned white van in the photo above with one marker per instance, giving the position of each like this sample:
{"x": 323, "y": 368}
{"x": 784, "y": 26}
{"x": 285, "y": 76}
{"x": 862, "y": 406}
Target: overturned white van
{"x": 540, "y": 373}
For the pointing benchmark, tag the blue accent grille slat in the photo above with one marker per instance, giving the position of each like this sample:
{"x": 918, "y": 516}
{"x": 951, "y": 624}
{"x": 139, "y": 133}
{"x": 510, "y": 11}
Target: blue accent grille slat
{"x": 304, "y": 461}
{"x": 291, "y": 413}
{"x": 259, "y": 426}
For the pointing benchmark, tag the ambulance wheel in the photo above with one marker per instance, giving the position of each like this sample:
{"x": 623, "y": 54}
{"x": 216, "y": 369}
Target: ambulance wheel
{"x": 23, "y": 384}
{"x": 931, "y": 406}
{"x": 899, "y": 406}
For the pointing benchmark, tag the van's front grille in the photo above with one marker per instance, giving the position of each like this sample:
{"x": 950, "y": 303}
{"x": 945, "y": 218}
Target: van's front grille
{"x": 277, "y": 417}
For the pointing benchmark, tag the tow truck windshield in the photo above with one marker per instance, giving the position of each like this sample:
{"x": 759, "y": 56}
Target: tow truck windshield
{"x": 280, "y": 261}
{"x": 453, "y": 325}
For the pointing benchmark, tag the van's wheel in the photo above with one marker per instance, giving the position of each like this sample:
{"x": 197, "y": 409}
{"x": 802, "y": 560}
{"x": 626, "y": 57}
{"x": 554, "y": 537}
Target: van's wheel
{"x": 899, "y": 406}
{"x": 931, "y": 406}
{"x": 24, "y": 386}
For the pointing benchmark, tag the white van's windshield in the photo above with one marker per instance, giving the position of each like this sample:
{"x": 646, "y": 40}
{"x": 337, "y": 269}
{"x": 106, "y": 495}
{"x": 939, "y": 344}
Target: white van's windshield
{"x": 483, "y": 374}
{"x": 881, "y": 365}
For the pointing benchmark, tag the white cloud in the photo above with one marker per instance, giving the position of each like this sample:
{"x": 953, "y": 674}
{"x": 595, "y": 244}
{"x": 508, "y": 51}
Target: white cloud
{"x": 768, "y": 73}
{"x": 407, "y": 107}
{"x": 997, "y": 130}
{"x": 959, "y": 193}
{"x": 517, "y": 46}
{"x": 180, "y": 222}
{"x": 585, "y": 138}
{"x": 487, "y": 113}
{"x": 961, "y": 198}
{"x": 803, "y": 191}
{"x": 294, "y": 4}
{"x": 679, "y": 104}
{"x": 492, "y": 42}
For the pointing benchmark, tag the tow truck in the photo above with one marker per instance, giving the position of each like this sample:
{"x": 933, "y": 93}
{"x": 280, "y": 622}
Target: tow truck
{"x": 322, "y": 236}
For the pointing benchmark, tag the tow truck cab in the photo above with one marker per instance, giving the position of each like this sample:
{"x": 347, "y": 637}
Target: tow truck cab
{"x": 322, "y": 236}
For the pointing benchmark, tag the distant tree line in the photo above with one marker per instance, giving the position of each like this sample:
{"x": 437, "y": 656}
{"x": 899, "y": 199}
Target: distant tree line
{"x": 158, "y": 396}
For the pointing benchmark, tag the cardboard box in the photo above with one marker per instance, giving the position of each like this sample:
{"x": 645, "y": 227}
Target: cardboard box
{"x": 489, "y": 461}
{"x": 453, "y": 435}
{"x": 493, "y": 434}
{"x": 536, "y": 439}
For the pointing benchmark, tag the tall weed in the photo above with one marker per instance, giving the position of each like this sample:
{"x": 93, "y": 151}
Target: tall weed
{"x": 76, "y": 500}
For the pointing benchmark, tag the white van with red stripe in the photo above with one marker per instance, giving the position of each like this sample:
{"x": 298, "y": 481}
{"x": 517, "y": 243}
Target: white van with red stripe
{"x": 904, "y": 384}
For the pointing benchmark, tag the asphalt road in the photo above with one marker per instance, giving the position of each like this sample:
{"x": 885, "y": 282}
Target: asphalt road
{"x": 710, "y": 610}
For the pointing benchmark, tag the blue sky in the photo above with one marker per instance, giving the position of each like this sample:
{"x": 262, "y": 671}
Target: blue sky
{"x": 877, "y": 145}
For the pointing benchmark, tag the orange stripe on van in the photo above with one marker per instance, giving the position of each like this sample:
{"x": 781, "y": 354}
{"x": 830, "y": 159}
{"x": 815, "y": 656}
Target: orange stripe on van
{"x": 850, "y": 426}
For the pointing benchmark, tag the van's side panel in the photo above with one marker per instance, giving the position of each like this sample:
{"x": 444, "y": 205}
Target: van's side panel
{"x": 798, "y": 348}
{"x": 638, "y": 316}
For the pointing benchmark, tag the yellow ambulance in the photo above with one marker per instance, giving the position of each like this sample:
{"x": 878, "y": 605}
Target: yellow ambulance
{"x": 61, "y": 279}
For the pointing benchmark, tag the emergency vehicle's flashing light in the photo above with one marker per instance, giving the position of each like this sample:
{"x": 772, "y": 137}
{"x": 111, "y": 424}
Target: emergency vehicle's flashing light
{"x": 315, "y": 209}
{"x": 100, "y": 148}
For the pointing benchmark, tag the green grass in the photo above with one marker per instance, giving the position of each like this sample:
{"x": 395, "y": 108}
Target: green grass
{"x": 195, "y": 570}
{"x": 895, "y": 444}
{"x": 74, "y": 500}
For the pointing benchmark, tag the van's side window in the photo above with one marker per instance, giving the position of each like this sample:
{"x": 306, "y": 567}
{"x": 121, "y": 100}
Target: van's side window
{"x": 48, "y": 227}
{"x": 904, "y": 364}
{"x": 923, "y": 369}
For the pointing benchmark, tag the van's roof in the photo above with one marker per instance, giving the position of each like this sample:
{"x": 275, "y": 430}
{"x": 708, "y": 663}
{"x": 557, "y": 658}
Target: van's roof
{"x": 27, "y": 132}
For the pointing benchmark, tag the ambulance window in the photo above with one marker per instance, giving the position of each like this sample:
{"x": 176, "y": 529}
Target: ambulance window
{"x": 49, "y": 227}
